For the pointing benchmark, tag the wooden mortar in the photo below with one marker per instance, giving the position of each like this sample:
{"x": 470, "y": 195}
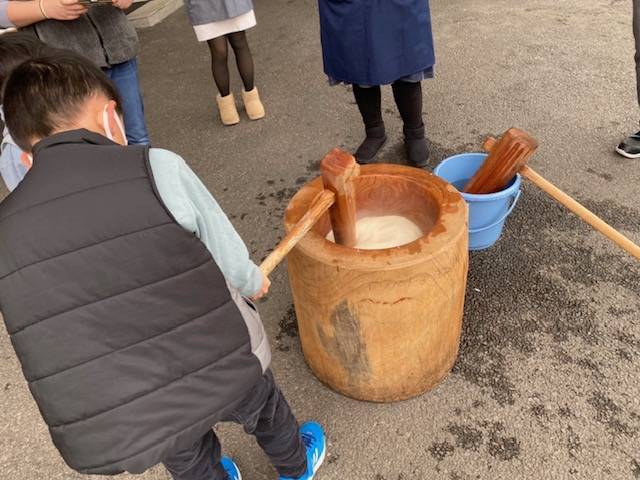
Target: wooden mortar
{"x": 383, "y": 325}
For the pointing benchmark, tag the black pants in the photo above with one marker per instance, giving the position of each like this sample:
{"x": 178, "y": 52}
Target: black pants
{"x": 636, "y": 34}
{"x": 264, "y": 413}
{"x": 408, "y": 97}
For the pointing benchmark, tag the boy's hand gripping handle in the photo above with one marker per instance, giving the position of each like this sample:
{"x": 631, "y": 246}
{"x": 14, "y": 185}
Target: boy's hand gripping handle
{"x": 320, "y": 205}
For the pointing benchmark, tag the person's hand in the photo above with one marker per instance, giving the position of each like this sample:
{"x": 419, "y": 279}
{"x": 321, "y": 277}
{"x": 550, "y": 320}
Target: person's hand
{"x": 63, "y": 9}
{"x": 266, "y": 283}
{"x": 122, "y": 4}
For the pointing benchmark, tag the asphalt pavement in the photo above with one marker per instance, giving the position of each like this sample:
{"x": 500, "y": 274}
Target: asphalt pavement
{"x": 546, "y": 384}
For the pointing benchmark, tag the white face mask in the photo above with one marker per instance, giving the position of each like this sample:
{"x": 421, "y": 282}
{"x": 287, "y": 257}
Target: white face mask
{"x": 107, "y": 129}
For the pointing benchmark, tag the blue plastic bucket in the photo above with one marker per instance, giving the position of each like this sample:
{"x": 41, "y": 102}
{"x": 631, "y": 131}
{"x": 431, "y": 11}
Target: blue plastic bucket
{"x": 487, "y": 213}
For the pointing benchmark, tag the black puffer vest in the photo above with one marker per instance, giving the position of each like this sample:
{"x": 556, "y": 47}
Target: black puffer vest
{"x": 123, "y": 323}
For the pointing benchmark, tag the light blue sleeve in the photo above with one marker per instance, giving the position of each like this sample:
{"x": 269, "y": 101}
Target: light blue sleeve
{"x": 195, "y": 209}
{"x": 12, "y": 169}
{"x": 4, "y": 15}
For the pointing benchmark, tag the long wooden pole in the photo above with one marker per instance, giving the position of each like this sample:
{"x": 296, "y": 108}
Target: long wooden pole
{"x": 582, "y": 212}
{"x": 318, "y": 207}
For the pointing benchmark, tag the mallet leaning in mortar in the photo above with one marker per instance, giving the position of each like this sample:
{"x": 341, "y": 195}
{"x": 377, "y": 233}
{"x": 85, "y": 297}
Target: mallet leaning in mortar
{"x": 338, "y": 171}
{"x": 509, "y": 155}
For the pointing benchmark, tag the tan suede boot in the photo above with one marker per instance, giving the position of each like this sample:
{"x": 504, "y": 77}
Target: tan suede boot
{"x": 252, "y": 104}
{"x": 228, "y": 111}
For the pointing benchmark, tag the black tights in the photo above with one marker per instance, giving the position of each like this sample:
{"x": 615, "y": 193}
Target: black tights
{"x": 219, "y": 56}
{"x": 408, "y": 97}
{"x": 370, "y": 105}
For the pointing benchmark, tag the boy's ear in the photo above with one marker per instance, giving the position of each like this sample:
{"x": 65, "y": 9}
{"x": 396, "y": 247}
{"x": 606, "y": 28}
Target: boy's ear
{"x": 111, "y": 115}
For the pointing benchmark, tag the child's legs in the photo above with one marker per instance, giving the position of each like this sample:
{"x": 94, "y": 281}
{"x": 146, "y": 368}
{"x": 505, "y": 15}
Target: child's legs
{"x": 244, "y": 59}
{"x": 200, "y": 462}
{"x": 267, "y": 415}
{"x": 219, "y": 68}
{"x": 125, "y": 77}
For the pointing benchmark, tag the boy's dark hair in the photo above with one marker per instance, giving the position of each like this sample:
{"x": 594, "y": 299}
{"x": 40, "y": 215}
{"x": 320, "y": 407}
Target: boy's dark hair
{"x": 44, "y": 94}
{"x": 16, "y": 48}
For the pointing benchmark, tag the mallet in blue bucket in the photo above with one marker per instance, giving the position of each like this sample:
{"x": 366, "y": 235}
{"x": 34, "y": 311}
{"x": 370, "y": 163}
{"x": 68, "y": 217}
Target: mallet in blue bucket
{"x": 488, "y": 211}
{"x": 508, "y": 157}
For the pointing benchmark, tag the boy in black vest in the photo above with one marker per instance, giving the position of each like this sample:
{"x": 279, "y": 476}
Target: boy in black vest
{"x": 139, "y": 337}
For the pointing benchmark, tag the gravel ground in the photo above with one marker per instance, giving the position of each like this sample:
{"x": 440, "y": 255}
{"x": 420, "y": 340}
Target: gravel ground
{"x": 546, "y": 382}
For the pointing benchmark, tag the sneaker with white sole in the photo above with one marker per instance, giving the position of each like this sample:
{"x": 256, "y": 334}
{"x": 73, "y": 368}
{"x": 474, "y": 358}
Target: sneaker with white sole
{"x": 315, "y": 442}
{"x": 231, "y": 468}
{"x": 630, "y": 146}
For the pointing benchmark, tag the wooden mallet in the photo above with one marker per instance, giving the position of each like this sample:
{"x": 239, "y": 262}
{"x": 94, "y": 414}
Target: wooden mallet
{"x": 509, "y": 156}
{"x": 338, "y": 169}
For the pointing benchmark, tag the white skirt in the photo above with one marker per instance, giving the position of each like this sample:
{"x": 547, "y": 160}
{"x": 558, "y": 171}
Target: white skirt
{"x": 218, "y": 29}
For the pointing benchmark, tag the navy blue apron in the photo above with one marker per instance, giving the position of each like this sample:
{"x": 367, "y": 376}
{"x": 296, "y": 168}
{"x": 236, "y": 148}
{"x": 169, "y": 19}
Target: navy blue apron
{"x": 375, "y": 42}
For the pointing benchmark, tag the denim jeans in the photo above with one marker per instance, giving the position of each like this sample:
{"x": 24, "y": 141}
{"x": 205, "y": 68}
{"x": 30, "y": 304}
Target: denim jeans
{"x": 265, "y": 414}
{"x": 125, "y": 77}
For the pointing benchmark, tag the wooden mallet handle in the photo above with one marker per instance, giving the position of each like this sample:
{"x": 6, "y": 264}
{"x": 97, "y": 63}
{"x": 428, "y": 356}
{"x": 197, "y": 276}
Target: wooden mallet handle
{"x": 578, "y": 209}
{"x": 338, "y": 169}
{"x": 585, "y": 214}
{"x": 318, "y": 208}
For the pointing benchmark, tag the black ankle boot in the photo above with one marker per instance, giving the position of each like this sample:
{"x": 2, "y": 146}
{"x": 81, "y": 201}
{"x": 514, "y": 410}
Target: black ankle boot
{"x": 416, "y": 147}
{"x": 368, "y": 149}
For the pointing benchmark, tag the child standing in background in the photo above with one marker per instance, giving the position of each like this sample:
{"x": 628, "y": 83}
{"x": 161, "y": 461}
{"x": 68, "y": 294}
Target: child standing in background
{"x": 221, "y": 23}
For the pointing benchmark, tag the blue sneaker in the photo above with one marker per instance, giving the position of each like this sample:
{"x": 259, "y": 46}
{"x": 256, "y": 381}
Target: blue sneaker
{"x": 315, "y": 442}
{"x": 231, "y": 468}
